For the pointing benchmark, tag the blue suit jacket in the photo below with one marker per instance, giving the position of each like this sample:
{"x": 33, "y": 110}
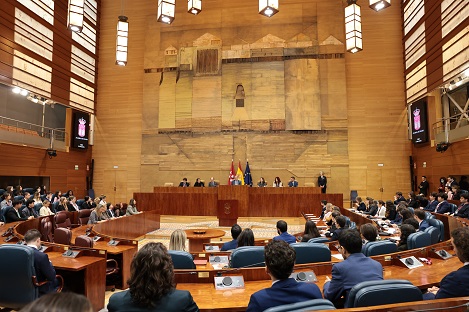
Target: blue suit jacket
{"x": 229, "y": 245}
{"x": 423, "y": 225}
{"x": 452, "y": 285}
{"x": 293, "y": 184}
{"x": 44, "y": 271}
{"x": 463, "y": 211}
{"x": 175, "y": 301}
{"x": 431, "y": 206}
{"x": 286, "y": 237}
{"x": 444, "y": 207}
{"x": 283, "y": 292}
{"x": 355, "y": 269}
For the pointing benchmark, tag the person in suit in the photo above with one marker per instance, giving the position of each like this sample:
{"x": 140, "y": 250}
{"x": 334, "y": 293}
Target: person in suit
{"x": 184, "y": 183}
{"x": 110, "y": 211}
{"x": 283, "y": 234}
{"x": 322, "y": 182}
{"x": 463, "y": 209}
{"x": 235, "y": 231}
{"x": 199, "y": 183}
{"x": 44, "y": 269}
{"x": 398, "y": 198}
{"x": 14, "y": 214}
{"x": 236, "y": 181}
{"x": 261, "y": 182}
{"x": 72, "y": 204}
{"x": 29, "y": 210}
{"x": 360, "y": 204}
{"x": 432, "y": 202}
{"x": 293, "y": 182}
{"x": 355, "y": 268}
{"x": 443, "y": 206}
{"x": 406, "y": 230}
{"x": 423, "y": 187}
{"x": 280, "y": 260}
{"x": 212, "y": 183}
{"x": 419, "y": 215}
{"x": 339, "y": 222}
{"x": 372, "y": 207}
{"x": 323, "y": 208}
{"x": 151, "y": 285}
{"x": 455, "y": 283}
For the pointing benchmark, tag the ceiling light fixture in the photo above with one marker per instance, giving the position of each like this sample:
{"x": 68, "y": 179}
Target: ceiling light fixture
{"x": 122, "y": 41}
{"x": 353, "y": 27}
{"x": 268, "y": 7}
{"x": 166, "y": 11}
{"x": 76, "y": 10}
{"x": 194, "y": 6}
{"x": 378, "y": 5}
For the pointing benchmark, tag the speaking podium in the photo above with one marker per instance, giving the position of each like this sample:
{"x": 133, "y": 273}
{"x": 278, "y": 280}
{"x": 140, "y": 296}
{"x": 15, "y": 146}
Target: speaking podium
{"x": 227, "y": 212}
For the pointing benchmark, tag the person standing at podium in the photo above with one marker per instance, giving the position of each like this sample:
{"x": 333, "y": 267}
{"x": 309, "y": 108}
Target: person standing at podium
{"x": 322, "y": 182}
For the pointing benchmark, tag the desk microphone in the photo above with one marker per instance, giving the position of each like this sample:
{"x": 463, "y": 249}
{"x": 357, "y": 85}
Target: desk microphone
{"x": 219, "y": 273}
{"x": 8, "y": 231}
{"x": 88, "y": 231}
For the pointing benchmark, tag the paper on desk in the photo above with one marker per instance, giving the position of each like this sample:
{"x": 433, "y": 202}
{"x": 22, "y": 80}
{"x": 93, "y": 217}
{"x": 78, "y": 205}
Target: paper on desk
{"x": 338, "y": 256}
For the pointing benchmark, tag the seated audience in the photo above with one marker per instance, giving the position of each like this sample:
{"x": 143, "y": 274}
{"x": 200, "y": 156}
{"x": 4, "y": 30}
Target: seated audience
{"x": 60, "y": 302}
{"x": 110, "y": 211}
{"x": 97, "y": 215}
{"x": 277, "y": 182}
{"x": 398, "y": 219}
{"x": 151, "y": 285}
{"x": 26, "y": 197}
{"x": 293, "y": 182}
{"x": 406, "y": 230}
{"x": 69, "y": 193}
{"x": 443, "y": 206}
{"x": 199, "y": 183}
{"x": 455, "y": 283}
{"x": 323, "y": 208}
{"x": 184, "y": 183}
{"x": 235, "y": 231}
{"x": 178, "y": 240}
{"x": 72, "y": 204}
{"x": 102, "y": 199}
{"x": 37, "y": 198}
{"x": 456, "y": 192}
{"x": 88, "y": 203}
{"x": 118, "y": 209}
{"x": 132, "y": 208}
{"x": 49, "y": 196}
{"x": 283, "y": 234}
{"x": 328, "y": 213}
{"x": 44, "y": 269}
{"x": 369, "y": 233}
{"x": 246, "y": 238}
{"x": 412, "y": 201}
{"x": 311, "y": 231}
{"x": 280, "y": 260}
{"x": 419, "y": 215}
{"x": 398, "y": 198}
{"x": 360, "y": 205}
{"x": 18, "y": 191}
{"x": 463, "y": 209}
{"x": 14, "y": 214}
{"x": 355, "y": 268}
{"x": 45, "y": 209}
{"x": 381, "y": 209}
{"x": 29, "y": 210}
{"x": 339, "y": 227}
{"x": 372, "y": 207}
{"x": 261, "y": 182}
{"x": 57, "y": 196}
{"x": 63, "y": 204}
{"x": 6, "y": 200}
{"x": 413, "y": 222}
{"x": 449, "y": 193}
{"x": 432, "y": 202}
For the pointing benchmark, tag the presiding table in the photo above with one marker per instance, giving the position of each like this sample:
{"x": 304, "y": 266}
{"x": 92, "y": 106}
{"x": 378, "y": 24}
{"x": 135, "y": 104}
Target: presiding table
{"x": 199, "y": 237}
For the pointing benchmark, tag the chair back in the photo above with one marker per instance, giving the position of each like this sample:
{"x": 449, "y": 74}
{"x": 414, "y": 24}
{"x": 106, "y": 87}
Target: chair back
{"x": 311, "y": 253}
{"x": 62, "y": 220}
{"x": 310, "y": 305}
{"x": 381, "y": 292}
{"x": 434, "y": 234}
{"x": 379, "y": 248}
{"x": 418, "y": 240}
{"x": 54, "y": 206}
{"x": 37, "y": 207}
{"x": 319, "y": 240}
{"x": 3, "y": 213}
{"x": 16, "y": 281}
{"x": 248, "y": 256}
{"x": 453, "y": 207}
{"x": 62, "y": 236}
{"x": 30, "y": 190}
{"x": 84, "y": 216}
{"x": 429, "y": 216}
{"x": 46, "y": 229}
{"x": 181, "y": 259}
{"x": 411, "y": 209}
{"x": 440, "y": 226}
{"x": 84, "y": 241}
{"x": 18, "y": 197}
{"x": 80, "y": 202}
{"x": 353, "y": 197}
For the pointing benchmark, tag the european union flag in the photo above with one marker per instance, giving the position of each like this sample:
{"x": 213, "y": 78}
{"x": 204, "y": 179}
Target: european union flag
{"x": 247, "y": 175}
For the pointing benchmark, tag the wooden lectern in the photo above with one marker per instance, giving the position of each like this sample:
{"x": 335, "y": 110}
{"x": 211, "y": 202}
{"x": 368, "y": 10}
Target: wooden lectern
{"x": 227, "y": 212}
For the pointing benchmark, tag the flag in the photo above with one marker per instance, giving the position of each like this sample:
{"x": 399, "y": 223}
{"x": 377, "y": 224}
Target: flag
{"x": 247, "y": 175}
{"x": 240, "y": 173}
{"x": 232, "y": 175}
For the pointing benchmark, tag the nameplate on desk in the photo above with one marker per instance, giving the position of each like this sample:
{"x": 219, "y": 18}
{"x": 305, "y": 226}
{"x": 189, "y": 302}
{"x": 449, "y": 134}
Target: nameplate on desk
{"x": 200, "y": 262}
{"x": 70, "y": 253}
{"x": 218, "y": 259}
{"x": 304, "y": 277}
{"x": 212, "y": 248}
{"x": 9, "y": 238}
{"x": 229, "y": 282}
{"x": 113, "y": 242}
{"x": 443, "y": 254}
{"x": 411, "y": 262}
{"x": 96, "y": 238}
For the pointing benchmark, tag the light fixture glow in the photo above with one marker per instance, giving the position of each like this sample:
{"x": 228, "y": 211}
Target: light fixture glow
{"x": 122, "y": 41}
{"x": 16, "y": 90}
{"x": 166, "y": 11}
{"x": 353, "y": 27}
{"x": 24, "y": 92}
{"x": 466, "y": 72}
{"x": 75, "y": 15}
{"x": 378, "y": 5}
{"x": 268, "y": 7}
{"x": 194, "y": 6}
{"x": 35, "y": 99}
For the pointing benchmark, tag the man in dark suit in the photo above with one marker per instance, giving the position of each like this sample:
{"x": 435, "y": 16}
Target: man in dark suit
{"x": 443, "y": 206}
{"x": 29, "y": 211}
{"x": 455, "y": 283}
{"x": 235, "y": 231}
{"x": 432, "y": 202}
{"x": 14, "y": 214}
{"x": 322, "y": 182}
{"x": 236, "y": 181}
{"x": 419, "y": 215}
{"x": 280, "y": 260}
{"x": 423, "y": 187}
{"x": 356, "y": 268}
{"x": 283, "y": 234}
{"x": 43, "y": 267}
{"x": 212, "y": 183}
{"x": 339, "y": 223}
{"x": 398, "y": 198}
{"x": 463, "y": 209}
{"x": 184, "y": 183}
{"x": 293, "y": 182}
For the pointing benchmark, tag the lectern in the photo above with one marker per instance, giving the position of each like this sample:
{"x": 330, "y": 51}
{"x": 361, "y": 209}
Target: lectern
{"x": 227, "y": 212}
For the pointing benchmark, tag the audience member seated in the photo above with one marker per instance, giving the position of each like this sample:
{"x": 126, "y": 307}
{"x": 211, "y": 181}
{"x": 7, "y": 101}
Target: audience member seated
{"x": 455, "y": 283}
{"x": 368, "y": 232}
{"x": 97, "y": 215}
{"x": 432, "y": 203}
{"x": 63, "y": 204}
{"x": 15, "y": 214}
{"x": 323, "y": 208}
{"x": 261, "y": 182}
{"x": 246, "y": 238}
{"x": 72, "y": 204}
{"x": 283, "y": 234}
{"x": 381, "y": 209}
{"x": 58, "y": 302}
{"x": 199, "y": 183}
{"x": 413, "y": 222}
{"x": 29, "y": 211}
{"x": 280, "y": 260}
{"x": 88, "y": 203}
{"x": 327, "y": 213}
{"x": 44, "y": 269}
{"x": 178, "y": 240}
{"x": 372, "y": 207}
{"x": 339, "y": 225}
{"x": 57, "y": 196}
{"x": 277, "y": 182}
{"x": 45, "y": 209}
{"x": 360, "y": 205}
{"x": 69, "y": 193}
{"x": 184, "y": 183}
{"x": 293, "y": 182}
{"x": 311, "y": 231}
{"x": 449, "y": 192}
{"x": 463, "y": 209}
{"x": 398, "y": 219}
{"x": 18, "y": 191}
{"x": 118, "y": 209}
{"x": 233, "y": 244}
{"x": 412, "y": 201}
{"x": 456, "y": 192}
{"x": 110, "y": 211}
{"x": 355, "y": 268}
{"x": 443, "y": 206}
{"x": 419, "y": 215}
{"x": 132, "y": 208}
{"x": 6, "y": 200}
{"x": 151, "y": 285}
{"x": 37, "y": 198}
{"x": 398, "y": 198}
{"x": 406, "y": 230}
{"x": 390, "y": 210}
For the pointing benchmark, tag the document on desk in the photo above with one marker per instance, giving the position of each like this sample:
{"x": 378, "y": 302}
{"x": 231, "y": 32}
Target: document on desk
{"x": 338, "y": 256}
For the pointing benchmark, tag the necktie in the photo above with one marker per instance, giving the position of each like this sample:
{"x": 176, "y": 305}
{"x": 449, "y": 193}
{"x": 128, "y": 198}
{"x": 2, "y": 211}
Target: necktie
{"x": 18, "y": 213}
{"x": 436, "y": 209}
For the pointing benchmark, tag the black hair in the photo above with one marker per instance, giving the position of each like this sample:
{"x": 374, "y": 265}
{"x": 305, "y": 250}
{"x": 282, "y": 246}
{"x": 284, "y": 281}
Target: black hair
{"x": 282, "y": 226}
{"x": 350, "y": 240}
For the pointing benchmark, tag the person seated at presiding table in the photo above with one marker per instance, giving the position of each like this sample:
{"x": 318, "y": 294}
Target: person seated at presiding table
{"x": 184, "y": 183}
{"x": 14, "y": 214}
{"x": 293, "y": 182}
{"x": 355, "y": 268}
{"x": 246, "y": 238}
{"x": 199, "y": 183}
{"x": 280, "y": 260}
{"x": 98, "y": 214}
{"x": 177, "y": 240}
{"x": 63, "y": 301}
{"x": 235, "y": 231}
{"x": 339, "y": 222}
{"x": 212, "y": 183}
{"x": 406, "y": 230}
{"x": 151, "y": 285}
{"x": 45, "y": 209}
{"x": 368, "y": 232}
{"x": 29, "y": 211}
{"x": 419, "y": 215}
{"x": 311, "y": 231}
{"x": 455, "y": 284}
{"x": 262, "y": 182}
{"x": 237, "y": 181}
{"x": 277, "y": 182}
{"x": 283, "y": 234}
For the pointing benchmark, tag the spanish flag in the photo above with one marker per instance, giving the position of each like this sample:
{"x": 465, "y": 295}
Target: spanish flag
{"x": 239, "y": 173}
